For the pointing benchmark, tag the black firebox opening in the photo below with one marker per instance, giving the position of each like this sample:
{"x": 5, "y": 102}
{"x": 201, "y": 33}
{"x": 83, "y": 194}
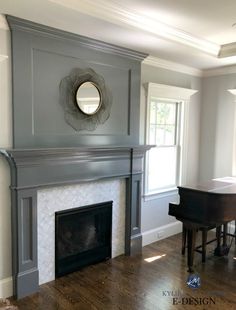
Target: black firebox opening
{"x": 82, "y": 237}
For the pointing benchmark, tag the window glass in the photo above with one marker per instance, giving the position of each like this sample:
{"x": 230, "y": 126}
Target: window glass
{"x": 162, "y": 168}
{"x": 162, "y": 131}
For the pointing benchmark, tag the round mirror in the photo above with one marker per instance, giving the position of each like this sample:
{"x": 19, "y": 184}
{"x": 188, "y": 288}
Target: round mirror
{"x": 88, "y": 98}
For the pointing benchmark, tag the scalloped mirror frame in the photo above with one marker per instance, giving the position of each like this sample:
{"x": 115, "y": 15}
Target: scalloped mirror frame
{"x": 73, "y": 115}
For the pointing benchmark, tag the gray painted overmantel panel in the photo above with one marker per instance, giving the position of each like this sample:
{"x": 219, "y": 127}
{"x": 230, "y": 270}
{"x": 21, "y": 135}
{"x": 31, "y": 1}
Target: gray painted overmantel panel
{"x": 41, "y": 58}
{"x": 37, "y": 168}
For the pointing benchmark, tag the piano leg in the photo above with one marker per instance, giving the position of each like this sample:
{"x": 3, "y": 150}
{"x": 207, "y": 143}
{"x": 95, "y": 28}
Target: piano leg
{"x": 191, "y": 235}
{"x": 225, "y": 234}
{"x": 225, "y": 246}
{"x": 218, "y": 236}
{"x": 204, "y": 241}
{"x": 235, "y": 232}
{"x": 223, "y": 249}
{"x": 184, "y": 236}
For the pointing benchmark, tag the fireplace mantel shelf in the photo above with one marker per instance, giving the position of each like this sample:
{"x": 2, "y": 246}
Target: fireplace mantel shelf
{"x": 30, "y": 156}
{"x": 60, "y": 166}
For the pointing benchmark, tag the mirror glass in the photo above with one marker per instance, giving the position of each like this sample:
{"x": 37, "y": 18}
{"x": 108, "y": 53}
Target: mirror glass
{"x": 88, "y": 98}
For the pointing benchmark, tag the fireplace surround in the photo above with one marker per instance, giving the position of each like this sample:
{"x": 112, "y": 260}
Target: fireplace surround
{"x": 60, "y": 198}
{"x": 48, "y": 153}
{"x": 34, "y": 169}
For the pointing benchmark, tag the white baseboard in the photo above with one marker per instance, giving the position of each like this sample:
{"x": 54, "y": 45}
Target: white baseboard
{"x": 6, "y": 288}
{"x": 231, "y": 227}
{"x": 162, "y": 232}
{"x": 168, "y": 230}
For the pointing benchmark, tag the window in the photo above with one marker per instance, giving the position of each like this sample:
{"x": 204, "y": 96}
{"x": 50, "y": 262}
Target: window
{"x": 166, "y": 129}
{"x": 164, "y": 132}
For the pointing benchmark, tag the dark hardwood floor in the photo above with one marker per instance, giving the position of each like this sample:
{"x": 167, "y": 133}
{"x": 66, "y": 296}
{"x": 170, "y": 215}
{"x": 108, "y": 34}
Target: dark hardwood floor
{"x": 134, "y": 284}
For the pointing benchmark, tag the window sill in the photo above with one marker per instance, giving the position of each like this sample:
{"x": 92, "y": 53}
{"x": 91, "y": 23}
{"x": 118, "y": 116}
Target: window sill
{"x": 161, "y": 194}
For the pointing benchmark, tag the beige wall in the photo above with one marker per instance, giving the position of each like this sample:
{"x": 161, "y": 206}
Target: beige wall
{"x": 5, "y": 142}
{"x": 217, "y": 127}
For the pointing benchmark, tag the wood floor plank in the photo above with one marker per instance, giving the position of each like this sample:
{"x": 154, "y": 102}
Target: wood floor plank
{"x": 131, "y": 283}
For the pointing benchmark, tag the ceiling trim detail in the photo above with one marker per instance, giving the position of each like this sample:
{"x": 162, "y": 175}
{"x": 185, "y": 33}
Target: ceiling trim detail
{"x": 220, "y": 71}
{"x": 173, "y": 66}
{"x": 227, "y": 50}
{"x": 120, "y": 15}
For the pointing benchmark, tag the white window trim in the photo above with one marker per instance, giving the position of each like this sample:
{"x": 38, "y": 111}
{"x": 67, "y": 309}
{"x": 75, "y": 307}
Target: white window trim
{"x": 161, "y": 194}
{"x": 162, "y": 91}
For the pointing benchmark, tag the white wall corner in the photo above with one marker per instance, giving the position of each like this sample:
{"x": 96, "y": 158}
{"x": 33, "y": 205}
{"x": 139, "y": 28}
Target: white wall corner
{"x": 4, "y": 28}
{"x": 6, "y": 288}
{"x": 161, "y": 232}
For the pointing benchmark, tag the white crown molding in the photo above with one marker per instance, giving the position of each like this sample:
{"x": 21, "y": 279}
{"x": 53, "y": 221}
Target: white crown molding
{"x": 115, "y": 13}
{"x": 173, "y": 66}
{"x": 219, "y": 71}
{"x": 227, "y": 50}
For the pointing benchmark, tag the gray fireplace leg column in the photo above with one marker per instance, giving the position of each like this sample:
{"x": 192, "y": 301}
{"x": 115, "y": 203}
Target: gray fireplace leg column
{"x": 24, "y": 233}
{"x": 133, "y": 242}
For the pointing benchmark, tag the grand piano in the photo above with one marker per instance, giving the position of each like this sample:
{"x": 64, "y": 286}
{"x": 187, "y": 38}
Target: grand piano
{"x": 211, "y": 204}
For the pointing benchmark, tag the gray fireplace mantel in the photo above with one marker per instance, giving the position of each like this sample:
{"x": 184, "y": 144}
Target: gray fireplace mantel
{"x": 32, "y": 169}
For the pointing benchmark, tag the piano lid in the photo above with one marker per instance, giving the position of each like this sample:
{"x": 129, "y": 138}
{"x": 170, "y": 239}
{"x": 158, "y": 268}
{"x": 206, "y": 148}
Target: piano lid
{"x": 226, "y": 185}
